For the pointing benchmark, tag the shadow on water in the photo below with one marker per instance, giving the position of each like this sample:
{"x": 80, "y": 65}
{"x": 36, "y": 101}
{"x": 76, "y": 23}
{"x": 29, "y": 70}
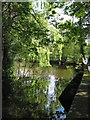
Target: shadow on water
{"x": 80, "y": 108}
{"x": 36, "y": 95}
{"x": 67, "y": 96}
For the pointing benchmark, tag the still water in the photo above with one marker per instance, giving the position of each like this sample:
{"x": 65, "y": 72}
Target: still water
{"x": 45, "y": 86}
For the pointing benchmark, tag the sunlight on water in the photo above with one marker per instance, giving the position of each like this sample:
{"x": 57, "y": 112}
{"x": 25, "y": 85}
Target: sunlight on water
{"x": 58, "y": 114}
{"x": 48, "y": 99}
{"x": 51, "y": 87}
{"x": 52, "y": 84}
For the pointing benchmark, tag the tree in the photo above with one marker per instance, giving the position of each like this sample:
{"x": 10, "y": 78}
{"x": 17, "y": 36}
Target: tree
{"x": 79, "y": 10}
{"x": 82, "y": 12}
{"x": 12, "y": 13}
{"x": 29, "y": 38}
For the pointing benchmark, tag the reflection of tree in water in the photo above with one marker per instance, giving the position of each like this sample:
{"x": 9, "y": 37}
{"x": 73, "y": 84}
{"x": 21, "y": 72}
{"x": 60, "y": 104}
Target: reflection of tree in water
{"x": 29, "y": 98}
{"x": 60, "y": 85}
{"x": 54, "y": 103}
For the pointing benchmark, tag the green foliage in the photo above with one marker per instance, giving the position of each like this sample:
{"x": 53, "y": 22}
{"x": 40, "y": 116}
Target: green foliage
{"x": 29, "y": 38}
{"x": 70, "y": 52}
{"x": 44, "y": 56}
{"x": 27, "y": 94}
{"x": 81, "y": 11}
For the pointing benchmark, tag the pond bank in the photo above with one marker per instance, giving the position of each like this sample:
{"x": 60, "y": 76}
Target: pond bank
{"x": 80, "y": 108}
{"x": 36, "y": 92}
{"x": 69, "y": 92}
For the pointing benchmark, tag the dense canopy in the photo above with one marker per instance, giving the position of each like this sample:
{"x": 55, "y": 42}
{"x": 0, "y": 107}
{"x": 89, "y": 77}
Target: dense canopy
{"x": 39, "y": 37}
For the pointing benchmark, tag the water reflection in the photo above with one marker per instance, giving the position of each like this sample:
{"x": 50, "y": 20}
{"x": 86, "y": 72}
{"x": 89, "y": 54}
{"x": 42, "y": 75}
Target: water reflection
{"x": 44, "y": 72}
{"x": 51, "y": 85}
{"x": 60, "y": 113}
{"x": 40, "y": 89}
{"x": 51, "y": 93}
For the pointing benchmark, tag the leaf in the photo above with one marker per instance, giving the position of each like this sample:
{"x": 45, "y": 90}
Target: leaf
{"x": 53, "y": 12}
{"x": 33, "y": 83}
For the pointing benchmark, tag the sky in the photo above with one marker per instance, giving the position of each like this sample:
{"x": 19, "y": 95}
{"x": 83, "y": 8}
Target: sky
{"x": 60, "y": 12}
{"x": 66, "y": 17}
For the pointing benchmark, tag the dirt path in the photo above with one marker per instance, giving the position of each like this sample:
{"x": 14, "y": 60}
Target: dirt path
{"x": 80, "y": 107}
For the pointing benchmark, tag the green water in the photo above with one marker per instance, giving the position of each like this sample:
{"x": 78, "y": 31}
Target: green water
{"x": 39, "y": 90}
